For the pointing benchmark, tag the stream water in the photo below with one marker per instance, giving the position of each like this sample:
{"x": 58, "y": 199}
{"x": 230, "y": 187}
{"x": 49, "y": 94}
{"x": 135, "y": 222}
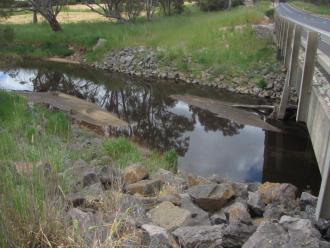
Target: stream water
{"x": 206, "y": 144}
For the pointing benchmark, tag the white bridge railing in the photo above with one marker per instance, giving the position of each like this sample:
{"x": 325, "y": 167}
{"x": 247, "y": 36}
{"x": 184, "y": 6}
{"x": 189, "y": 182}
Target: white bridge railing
{"x": 297, "y": 41}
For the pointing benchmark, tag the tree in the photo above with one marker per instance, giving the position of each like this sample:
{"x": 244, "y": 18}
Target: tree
{"x": 5, "y": 6}
{"x": 150, "y": 8}
{"x": 49, "y": 9}
{"x": 121, "y": 10}
{"x": 107, "y": 8}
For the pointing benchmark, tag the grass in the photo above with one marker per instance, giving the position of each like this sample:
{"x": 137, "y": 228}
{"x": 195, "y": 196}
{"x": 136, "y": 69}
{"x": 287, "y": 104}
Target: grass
{"x": 319, "y": 9}
{"x": 35, "y": 145}
{"x": 194, "y": 35}
{"x": 124, "y": 153}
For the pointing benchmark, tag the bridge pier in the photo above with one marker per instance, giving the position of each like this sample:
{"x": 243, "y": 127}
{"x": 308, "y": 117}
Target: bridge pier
{"x": 312, "y": 108}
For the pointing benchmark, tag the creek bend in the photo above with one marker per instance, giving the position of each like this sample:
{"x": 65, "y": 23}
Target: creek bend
{"x": 206, "y": 144}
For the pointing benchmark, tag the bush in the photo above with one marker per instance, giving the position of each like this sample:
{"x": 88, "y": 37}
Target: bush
{"x": 213, "y": 5}
{"x": 270, "y": 13}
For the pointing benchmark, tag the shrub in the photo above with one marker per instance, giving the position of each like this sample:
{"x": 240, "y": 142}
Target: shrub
{"x": 262, "y": 84}
{"x": 270, "y": 13}
{"x": 213, "y": 5}
{"x": 171, "y": 157}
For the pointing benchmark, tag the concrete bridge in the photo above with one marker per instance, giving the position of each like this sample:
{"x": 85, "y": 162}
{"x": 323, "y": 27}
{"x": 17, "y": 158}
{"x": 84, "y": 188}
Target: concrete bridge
{"x": 304, "y": 45}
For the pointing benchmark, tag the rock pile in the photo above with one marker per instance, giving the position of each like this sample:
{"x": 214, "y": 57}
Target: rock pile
{"x": 202, "y": 213}
{"x": 143, "y": 62}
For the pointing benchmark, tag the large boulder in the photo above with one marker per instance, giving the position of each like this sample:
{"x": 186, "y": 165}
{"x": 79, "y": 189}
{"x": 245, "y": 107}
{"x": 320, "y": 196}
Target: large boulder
{"x": 89, "y": 197}
{"x": 169, "y": 178}
{"x": 144, "y": 187}
{"x": 288, "y": 232}
{"x": 306, "y": 199}
{"x": 268, "y": 235}
{"x": 255, "y": 203}
{"x": 237, "y": 213}
{"x": 135, "y": 173}
{"x": 236, "y": 234}
{"x": 91, "y": 225}
{"x": 173, "y": 198}
{"x": 159, "y": 237}
{"x": 217, "y": 236}
{"x": 110, "y": 176}
{"x": 196, "y": 180}
{"x": 279, "y": 193}
{"x": 200, "y": 236}
{"x": 198, "y": 215}
{"x": 211, "y": 197}
{"x": 169, "y": 216}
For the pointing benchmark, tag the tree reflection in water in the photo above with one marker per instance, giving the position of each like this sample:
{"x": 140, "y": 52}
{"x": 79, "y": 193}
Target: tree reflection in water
{"x": 146, "y": 107}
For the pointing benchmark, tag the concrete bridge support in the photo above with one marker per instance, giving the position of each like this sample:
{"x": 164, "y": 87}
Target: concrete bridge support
{"x": 312, "y": 109}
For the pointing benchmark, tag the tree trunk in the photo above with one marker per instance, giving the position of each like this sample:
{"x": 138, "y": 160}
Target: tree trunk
{"x": 54, "y": 24}
{"x": 35, "y": 17}
{"x": 230, "y": 4}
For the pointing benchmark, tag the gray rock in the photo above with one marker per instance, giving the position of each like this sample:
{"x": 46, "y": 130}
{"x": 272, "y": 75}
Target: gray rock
{"x": 219, "y": 218}
{"x": 289, "y": 232}
{"x": 237, "y": 213}
{"x": 89, "y": 197}
{"x": 169, "y": 216}
{"x": 301, "y": 232}
{"x": 279, "y": 193}
{"x": 200, "y": 236}
{"x": 173, "y": 198}
{"x": 241, "y": 190}
{"x": 211, "y": 197}
{"x": 135, "y": 173}
{"x": 256, "y": 204}
{"x": 198, "y": 215}
{"x": 90, "y": 225}
{"x": 159, "y": 237}
{"x": 235, "y": 235}
{"x": 268, "y": 235}
{"x": 90, "y": 178}
{"x": 169, "y": 178}
{"x": 144, "y": 187}
{"x": 110, "y": 176}
{"x": 306, "y": 199}
{"x": 274, "y": 212}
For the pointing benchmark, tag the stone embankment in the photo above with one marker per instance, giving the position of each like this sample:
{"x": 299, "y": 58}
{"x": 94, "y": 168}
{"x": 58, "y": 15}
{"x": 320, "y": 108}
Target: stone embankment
{"x": 144, "y": 62}
{"x": 168, "y": 210}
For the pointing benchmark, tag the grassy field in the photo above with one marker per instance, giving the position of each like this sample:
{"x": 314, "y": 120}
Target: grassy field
{"x": 323, "y": 10}
{"x": 31, "y": 208}
{"x": 196, "y": 35}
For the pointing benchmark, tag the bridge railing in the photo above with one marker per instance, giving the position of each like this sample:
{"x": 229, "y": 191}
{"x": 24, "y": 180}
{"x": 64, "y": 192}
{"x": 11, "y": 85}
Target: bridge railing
{"x": 300, "y": 42}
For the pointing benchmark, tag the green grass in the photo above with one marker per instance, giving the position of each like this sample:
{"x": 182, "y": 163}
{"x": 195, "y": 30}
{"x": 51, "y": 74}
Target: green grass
{"x": 32, "y": 207}
{"x": 194, "y": 34}
{"x": 319, "y": 9}
{"x": 29, "y": 135}
{"x": 124, "y": 153}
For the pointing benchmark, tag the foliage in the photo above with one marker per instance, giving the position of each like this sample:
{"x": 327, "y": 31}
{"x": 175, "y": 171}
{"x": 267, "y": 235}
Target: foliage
{"x": 262, "y": 84}
{"x": 26, "y": 203}
{"x": 171, "y": 157}
{"x": 4, "y": 6}
{"x": 122, "y": 151}
{"x": 203, "y": 38}
{"x": 170, "y": 7}
{"x": 213, "y": 5}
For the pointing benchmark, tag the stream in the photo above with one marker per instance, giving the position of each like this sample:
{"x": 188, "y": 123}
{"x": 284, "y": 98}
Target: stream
{"x": 206, "y": 143}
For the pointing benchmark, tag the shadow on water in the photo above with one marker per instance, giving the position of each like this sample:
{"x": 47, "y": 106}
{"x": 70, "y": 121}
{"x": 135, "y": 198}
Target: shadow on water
{"x": 206, "y": 143}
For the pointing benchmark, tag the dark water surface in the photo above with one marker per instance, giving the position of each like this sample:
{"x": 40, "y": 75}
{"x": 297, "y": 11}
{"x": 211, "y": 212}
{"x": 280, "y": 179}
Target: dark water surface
{"x": 207, "y": 144}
